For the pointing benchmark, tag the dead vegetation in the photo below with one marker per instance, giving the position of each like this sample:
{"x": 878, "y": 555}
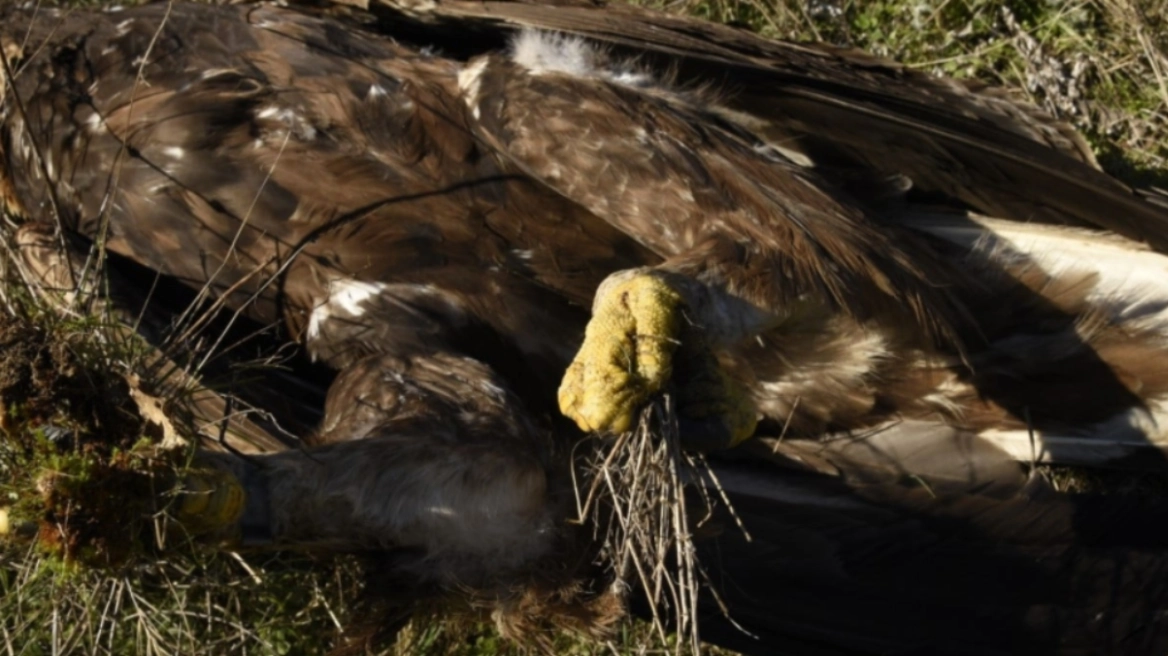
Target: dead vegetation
{"x": 86, "y": 484}
{"x": 634, "y": 495}
{"x": 85, "y": 490}
{"x": 1098, "y": 64}
{"x": 72, "y": 428}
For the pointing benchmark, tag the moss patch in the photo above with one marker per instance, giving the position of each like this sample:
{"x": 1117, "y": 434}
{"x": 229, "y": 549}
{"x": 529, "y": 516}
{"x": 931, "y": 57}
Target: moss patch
{"x": 77, "y": 475}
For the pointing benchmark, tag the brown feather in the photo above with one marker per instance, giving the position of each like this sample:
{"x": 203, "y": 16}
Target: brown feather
{"x": 434, "y": 228}
{"x": 843, "y": 108}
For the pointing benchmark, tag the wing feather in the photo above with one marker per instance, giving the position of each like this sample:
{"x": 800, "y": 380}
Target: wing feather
{"x": 842, "y": 108}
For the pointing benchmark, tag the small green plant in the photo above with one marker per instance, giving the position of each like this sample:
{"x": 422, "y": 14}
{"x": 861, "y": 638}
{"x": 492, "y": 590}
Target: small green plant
{"x": 68, "y": 434}
{"x": 1101, "y": 65}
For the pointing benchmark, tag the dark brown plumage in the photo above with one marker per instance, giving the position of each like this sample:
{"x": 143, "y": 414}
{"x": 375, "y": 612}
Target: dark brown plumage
{"x": 428, "y": 197}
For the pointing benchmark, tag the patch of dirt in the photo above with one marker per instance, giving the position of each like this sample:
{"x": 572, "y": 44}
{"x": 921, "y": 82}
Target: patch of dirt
{"x": 79, "y": 475}
{"x": 44, "y": 384}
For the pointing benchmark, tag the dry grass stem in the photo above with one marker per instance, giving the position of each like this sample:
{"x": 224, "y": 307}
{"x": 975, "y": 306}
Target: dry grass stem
{"x": 638, "y": 505}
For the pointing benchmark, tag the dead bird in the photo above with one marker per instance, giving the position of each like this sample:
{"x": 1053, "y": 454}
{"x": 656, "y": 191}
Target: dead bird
{"x": 505, "y": 225}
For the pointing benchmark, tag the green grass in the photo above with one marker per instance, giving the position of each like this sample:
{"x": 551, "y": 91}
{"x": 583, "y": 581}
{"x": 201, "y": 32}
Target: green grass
{"x": 210, "y": 604}
{"x": 1102, "y": 65}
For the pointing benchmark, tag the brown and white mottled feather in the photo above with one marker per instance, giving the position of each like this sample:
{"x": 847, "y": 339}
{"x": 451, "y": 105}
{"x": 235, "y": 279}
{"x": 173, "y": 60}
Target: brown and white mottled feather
{"x": 660, "y": 167}
{"x": 842, "y": 108}
{"x": 433, "y": 228}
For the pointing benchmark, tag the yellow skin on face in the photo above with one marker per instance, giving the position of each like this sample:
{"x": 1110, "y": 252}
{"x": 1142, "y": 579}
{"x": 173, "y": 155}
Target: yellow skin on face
{"x": 637, "y": 328}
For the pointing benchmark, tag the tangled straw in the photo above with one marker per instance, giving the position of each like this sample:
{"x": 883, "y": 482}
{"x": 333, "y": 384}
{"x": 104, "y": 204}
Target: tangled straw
{"x": 636, "y": 500}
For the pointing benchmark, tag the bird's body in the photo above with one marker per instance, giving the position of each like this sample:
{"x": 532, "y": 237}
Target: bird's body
{"x": 435, "y": 224}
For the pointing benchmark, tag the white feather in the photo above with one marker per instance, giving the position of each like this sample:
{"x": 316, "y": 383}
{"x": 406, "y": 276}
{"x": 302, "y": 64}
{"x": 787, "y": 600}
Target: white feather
{"x": 346, "y": 299}
{"x": 1132, "y": 283}
{"x": 542, "y": 52}
{"x": 549, "y": 52}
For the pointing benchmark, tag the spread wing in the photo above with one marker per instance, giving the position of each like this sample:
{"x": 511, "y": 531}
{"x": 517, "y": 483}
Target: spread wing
{"x": 704, "y": 193}
{"x": 841, "y": 108}
{"x": 266, "y": 156}
{"x": 369, "y": 195}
